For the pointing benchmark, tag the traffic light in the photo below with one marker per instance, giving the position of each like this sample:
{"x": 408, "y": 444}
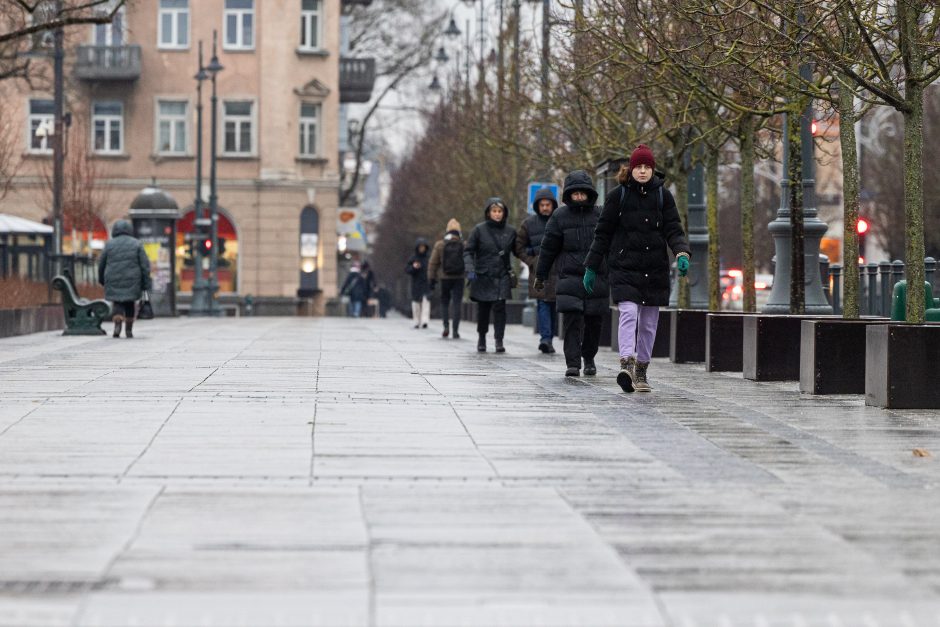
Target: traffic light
{"x": 205, "y": 246}
{"x": 862, "y": 229}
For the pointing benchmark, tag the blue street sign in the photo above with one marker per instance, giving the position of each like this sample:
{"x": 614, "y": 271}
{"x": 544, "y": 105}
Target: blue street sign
{"x": 534, "y": 187}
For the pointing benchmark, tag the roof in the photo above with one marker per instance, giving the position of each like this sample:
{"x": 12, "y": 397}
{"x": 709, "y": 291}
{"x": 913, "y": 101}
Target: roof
{"x": 154, "y": 199}
{"x": 13, "y": 225}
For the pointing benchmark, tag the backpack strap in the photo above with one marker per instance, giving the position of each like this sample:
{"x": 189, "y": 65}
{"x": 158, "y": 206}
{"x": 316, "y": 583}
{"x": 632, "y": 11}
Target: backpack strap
{"x": 660, "y": 200}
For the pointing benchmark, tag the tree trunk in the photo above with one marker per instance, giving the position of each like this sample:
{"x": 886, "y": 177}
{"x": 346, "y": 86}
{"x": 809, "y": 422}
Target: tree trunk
{"x": 914, "y": 200}
{"x": 684, "y": 297}
{"x": 747, "y": 212}
{"x": 797, "y": 240}
{"x": 850, "y": 200}
{"x": 711, "y": 212}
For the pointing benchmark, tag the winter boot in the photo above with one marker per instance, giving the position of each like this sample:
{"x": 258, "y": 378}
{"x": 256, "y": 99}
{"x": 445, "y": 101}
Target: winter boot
{"x": 625, "y": 376}
{"x": 639, "y": 377}
{"x": 499, "y": 345}
{"x": 446, "y": 331}
{"x": 573, "y": 371}
{"x": 129, "y": 328}
{"x": 545, "y": 347}
{"x": 456, "y": 326}
{"x": 589, "y": 368}
{"x": 481, "y": 343}
{"x": 118, "y": 321}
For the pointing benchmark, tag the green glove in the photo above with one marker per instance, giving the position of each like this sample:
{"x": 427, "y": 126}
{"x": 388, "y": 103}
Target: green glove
{"x": 589, "y": 276}
{"x": 682, "y": 263}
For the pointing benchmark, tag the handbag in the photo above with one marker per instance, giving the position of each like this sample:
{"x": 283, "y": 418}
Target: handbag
{"x": 145, "y": 309}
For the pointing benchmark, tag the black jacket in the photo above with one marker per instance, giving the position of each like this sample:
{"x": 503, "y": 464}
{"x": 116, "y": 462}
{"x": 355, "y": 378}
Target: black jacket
{"x": 632, "y": 234}
{"x": 529, "y": 242}
{"x": 567, "y": 240}
{"x": 419, "y": 275}
{"x": 487, "y": 253}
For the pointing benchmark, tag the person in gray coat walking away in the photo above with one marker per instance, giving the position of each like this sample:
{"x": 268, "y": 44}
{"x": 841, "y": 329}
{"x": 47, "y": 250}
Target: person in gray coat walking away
{"x": 528, "y": 242}
{"x": 487, "y": 262}
{"x": 124, "y": 270}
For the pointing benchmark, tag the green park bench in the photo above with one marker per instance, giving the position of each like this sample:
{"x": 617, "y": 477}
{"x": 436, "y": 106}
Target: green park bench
{"x": 82, "y": 316}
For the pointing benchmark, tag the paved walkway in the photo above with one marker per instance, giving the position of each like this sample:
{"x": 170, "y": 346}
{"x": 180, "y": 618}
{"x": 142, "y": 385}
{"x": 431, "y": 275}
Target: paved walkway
{"x": 282, "y": 471}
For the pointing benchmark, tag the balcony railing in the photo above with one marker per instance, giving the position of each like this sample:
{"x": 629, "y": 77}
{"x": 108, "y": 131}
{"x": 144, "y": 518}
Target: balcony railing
{"x": 108, "y": 63}
{"x": 364, "y": 3}
{"x": 356, "y": 79}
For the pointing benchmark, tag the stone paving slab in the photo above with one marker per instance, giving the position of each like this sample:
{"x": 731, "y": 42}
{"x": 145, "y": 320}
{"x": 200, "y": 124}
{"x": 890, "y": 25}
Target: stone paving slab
{"x": 289, "y": 471}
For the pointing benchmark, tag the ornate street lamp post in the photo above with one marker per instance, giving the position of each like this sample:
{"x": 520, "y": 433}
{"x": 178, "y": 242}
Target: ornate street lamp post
{"x": 213, "y": 69}
{"x": 202, "y": 297}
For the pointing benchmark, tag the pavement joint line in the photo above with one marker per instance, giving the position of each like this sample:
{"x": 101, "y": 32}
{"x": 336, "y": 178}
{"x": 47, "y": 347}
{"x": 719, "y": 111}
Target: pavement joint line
{"x": 316, "y": 405}
{"x": 150, "y": 443}
{"x": 370, "y": 565}
{"x": 22, "y": 418}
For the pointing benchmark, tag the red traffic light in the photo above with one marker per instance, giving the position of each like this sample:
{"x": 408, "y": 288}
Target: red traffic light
{"x": 862, "y": 226}
{"x": 207, "y": 244}
{"x": 814, "y": 128}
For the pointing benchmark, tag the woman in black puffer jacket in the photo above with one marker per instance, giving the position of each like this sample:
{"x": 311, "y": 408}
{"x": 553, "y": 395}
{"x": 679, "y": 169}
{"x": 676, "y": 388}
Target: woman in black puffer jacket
{"x": 638, "y": 221}
{"x": 567, "y": 240}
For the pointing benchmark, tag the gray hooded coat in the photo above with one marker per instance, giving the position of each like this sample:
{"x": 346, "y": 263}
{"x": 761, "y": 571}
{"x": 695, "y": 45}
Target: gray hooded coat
{"x": 123, "y": 269}
{"x": 487, "y": 253}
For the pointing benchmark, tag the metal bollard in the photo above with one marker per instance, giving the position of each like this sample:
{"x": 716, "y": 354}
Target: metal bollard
{"x": 930, "y": 268}
{"x": 873, "y": 305}
{"x": 887, "y": 287}
{"x": 862, "y": 291}
{"x": 824, "y": 275}
{"x": 835, "y": 278}
{"x": 897, "y": 273}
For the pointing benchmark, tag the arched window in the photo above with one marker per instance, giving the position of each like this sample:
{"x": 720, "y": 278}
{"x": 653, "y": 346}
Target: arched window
{"x": 310, "y": 254}
{"x": 228, "y": 253}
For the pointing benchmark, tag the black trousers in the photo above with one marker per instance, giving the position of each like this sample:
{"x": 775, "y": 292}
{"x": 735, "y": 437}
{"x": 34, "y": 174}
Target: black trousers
{"x": 582, "y": 334}
{"x": 129, "y": 309}
{"x": 498, "y": 307}
{"x": 451, "y": 298}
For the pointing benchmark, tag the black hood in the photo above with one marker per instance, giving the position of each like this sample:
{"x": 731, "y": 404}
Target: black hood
{"x": 543, "y": 193}
{"x": 419, "y": 243}
{"x": 579, "y": 180}
{"x": 486, "y": 210}
{"x": 122, "y": 227}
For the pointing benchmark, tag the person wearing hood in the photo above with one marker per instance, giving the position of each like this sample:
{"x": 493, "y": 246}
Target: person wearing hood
{"x": 124, "y": 270}
{"x": 567, "y": 240}
{"x": 358, "y": 286}
{"x": 528, "y": 242}
{"x": 489, "y": 270}
{"x": 447, "y": 264}
{"x": 638, "y": 222}
{"x": 418, "y": 269}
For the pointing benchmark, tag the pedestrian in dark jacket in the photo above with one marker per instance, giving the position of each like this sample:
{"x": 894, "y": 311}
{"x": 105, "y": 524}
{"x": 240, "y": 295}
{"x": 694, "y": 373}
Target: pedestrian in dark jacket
{"x": 124, "y": 270}
{"x": 567, "y": 241}
{"x": 528, "y": 243}
{"x": 358, "y": 286}
{"x": 447, "y": 265}
{"x": 487, "y": 260}
{"x": 418, "y": 269}
{"x": 638, "y": 221}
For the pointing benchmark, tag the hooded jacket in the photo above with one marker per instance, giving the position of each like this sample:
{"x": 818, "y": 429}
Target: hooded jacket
{"x": 487, "y": 253}
{"x": 567, "y": 240}
{"x": 124, "y": 268}
{"x": 436, "y": 271}
{"x": 419, "y": 275}
{"x": 529, "y": 241}
{"x": 632, "y": 234}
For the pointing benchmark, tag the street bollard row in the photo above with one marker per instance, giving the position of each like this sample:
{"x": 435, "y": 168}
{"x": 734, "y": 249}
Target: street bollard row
{"x": 876, "y": 285}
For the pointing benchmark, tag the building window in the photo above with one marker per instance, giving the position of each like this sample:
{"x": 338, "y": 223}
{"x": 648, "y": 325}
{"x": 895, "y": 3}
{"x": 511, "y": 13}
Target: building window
{"x": 311, "y": 22}
{"x": 174, "y": 24}
{"x": 171, "y": 127}
{"x": 111, "y": 33}
{"x": 107, "y": 123}
{"x": 309, "y": 130}
{"x": 41, "y": 125}
{"x": 237, "y": 127}
{"x": 239, "y": 24}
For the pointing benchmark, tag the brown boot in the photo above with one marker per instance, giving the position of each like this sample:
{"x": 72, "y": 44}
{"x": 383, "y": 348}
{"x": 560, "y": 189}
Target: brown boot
{"x": 639, "y": 377}
{"x": 129, "y": 329}
{"x": 118, "y": 321}
{"x": 625, "y": 376}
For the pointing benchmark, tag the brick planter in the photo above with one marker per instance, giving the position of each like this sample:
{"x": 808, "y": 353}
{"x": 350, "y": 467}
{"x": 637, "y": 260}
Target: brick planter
{"x": 901, "y": 366}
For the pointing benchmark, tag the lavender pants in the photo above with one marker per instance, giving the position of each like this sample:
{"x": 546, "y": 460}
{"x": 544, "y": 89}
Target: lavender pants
{"x": 637, "y": 330}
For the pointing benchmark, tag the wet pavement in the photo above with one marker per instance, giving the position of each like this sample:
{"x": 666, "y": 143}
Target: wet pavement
{"x": 290, "y": 471}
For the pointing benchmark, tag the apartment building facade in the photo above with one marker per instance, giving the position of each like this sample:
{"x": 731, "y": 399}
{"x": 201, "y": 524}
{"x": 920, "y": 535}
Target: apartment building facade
{"x": 131, "y": 98}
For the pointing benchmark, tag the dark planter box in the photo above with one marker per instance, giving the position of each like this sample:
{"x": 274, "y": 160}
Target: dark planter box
{"x": 724, "y": 342}
{"x": 31, "y": 320}
{"x": 660, "y": 345}
{"x": 772, "y": 347}
{"x": 901, "y": 366}
{"x": 687, "y": 335}
{"x": 832, "y": 356}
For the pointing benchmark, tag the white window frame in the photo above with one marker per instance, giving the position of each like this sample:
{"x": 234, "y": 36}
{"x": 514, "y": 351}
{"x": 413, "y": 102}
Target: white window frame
{"x": 251, "y": 118}
{"x": 306, "y": 151}
{"x": 39, "y": 118}
{"x": 306, "y": 17}
{"x": 109, "y": 120}
{"x": 173, "y": 120}
{"x": 109, "y": 30}
{"x": 239, "y": 15}
{"x": 174, "y": 14}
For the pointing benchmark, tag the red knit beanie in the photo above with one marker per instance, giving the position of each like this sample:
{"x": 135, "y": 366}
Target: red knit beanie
{"x": 642, "y": 156}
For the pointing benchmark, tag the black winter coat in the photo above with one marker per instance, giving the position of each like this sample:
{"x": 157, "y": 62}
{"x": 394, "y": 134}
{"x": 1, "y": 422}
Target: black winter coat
{"x": 487, "y": 253}
{"x": 567, "y": 240}
{"x": 419, "y": 275}
{"x": 529, "y": 242}
{"x": 632, "y": 235}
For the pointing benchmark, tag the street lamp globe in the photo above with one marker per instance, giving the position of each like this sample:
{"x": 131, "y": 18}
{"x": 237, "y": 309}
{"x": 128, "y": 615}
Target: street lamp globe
{"x": 452, "y": 30}
{"x": 441, "y": 56}
{"x": 435, "y": 84}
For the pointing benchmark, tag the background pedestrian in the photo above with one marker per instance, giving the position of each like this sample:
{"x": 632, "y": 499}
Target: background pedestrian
{"x": 418, "y": 269}
{"x": 124, "y": 270}
{"x": 447, "y": 265}
{"x": 528, "y": 243}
